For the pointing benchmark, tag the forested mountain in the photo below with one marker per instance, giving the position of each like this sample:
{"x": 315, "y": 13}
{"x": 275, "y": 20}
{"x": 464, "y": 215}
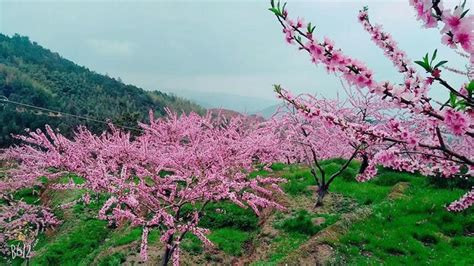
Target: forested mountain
{"x": 34, "y": 75}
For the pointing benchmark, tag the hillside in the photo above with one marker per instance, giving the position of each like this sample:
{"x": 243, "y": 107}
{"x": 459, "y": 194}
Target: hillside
{"x": 34, "y": 75}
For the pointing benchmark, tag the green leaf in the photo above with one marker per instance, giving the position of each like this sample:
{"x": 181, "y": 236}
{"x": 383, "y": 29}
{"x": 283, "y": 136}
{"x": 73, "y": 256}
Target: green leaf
{"x": 464, "y": 13}
{"x": 272, "y": 3}
{"x": 452, "y": 99}
{"x": 425, "y": 59}
{"x": 309, "y": 27}
{"x": 434, "y": 56}
{"x": 470, "y": 87}
{"x": 423, "y": 65}
{"x": 275, "y": 11}
{"x": 277, "y": 88}
{"x": 420, "y": 63}
{"x": 461, "y": 105}
{"x": 440, "y": 64}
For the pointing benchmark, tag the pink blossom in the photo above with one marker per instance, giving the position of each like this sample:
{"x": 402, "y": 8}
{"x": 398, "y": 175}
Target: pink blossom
{"x": 299, "y": 23}
{"x": 456, "y": 121}
{"x": 448, "y": 40}
{"x": 465, "y": 37}
{"x": 465, "y": 202}
{"x": 463, "y": 91}
{"x": 452, "y": 21}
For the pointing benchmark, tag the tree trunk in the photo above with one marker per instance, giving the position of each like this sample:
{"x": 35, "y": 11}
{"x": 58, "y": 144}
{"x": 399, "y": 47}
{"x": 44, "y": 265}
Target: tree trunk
{"x": 364, "y": 164}
{"x": 166, "y": 257}
{"x": 167, "y": 254}
{"x": 322, "y": 191}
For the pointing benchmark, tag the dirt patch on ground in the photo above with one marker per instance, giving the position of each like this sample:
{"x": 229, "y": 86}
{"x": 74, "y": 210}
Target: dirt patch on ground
{"x": 210, "y": 256}
{"x": 315, "y": 251}
{"x": 318, "y": 250}
{"x": 129, "y": 249}
{"x": 261, "y": 246}
{"x": 398, "y": 191}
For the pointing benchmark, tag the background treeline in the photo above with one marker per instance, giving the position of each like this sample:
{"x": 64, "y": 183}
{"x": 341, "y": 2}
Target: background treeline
{"x": 34, "y": 75}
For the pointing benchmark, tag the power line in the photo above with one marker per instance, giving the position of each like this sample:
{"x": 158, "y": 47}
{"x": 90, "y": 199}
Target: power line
{"x": 6, "y": 100}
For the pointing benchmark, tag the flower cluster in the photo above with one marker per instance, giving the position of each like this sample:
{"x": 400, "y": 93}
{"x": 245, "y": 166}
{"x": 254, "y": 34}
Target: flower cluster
{"x": 456, "y": 121}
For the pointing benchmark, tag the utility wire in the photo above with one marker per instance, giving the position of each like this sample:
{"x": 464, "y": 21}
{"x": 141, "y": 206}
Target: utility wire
{"x": 6, "y": 100}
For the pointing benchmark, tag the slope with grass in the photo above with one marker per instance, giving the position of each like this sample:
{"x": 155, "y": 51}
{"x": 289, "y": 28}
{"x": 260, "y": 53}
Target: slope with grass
{"x": 397, "y": 218}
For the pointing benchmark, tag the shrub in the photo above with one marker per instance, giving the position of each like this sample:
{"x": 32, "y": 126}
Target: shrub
{"x": 278, "y": 166}
{"x": 349, "y": 174}
{"x": 227, "y": 214}
{"x": 454, "y": 182}
{"x": 390, "y": 178}
{"x": 301, "y": 223}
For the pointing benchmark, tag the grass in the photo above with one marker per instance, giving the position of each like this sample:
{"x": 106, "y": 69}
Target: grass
{"x": 231, "y": 227}
{"x": 284, "y": 244}
{"x": 192, "y": 244}
{"x": 230, "y": 240}
{"x": 72, "y": 248}
{"x": 414, "y": 229}
{"x": 28, "y": 195}
{"x": 278, "y": 166}
{"x": 294, "y": 231}
{"x": 374, "y": 191}
{"x": 411, "y": 230}
{"x": 260, "y": 172}
{"x": 298, "y": 182}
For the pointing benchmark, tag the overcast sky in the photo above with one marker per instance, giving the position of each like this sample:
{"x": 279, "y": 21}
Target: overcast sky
{"x": 233, "y": 47}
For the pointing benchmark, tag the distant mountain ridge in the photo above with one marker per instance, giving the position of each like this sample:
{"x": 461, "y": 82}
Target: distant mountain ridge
{"x": 269, "y": 111}
{"x": 238, "y": 103}
{"x": 34, "y": 75}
